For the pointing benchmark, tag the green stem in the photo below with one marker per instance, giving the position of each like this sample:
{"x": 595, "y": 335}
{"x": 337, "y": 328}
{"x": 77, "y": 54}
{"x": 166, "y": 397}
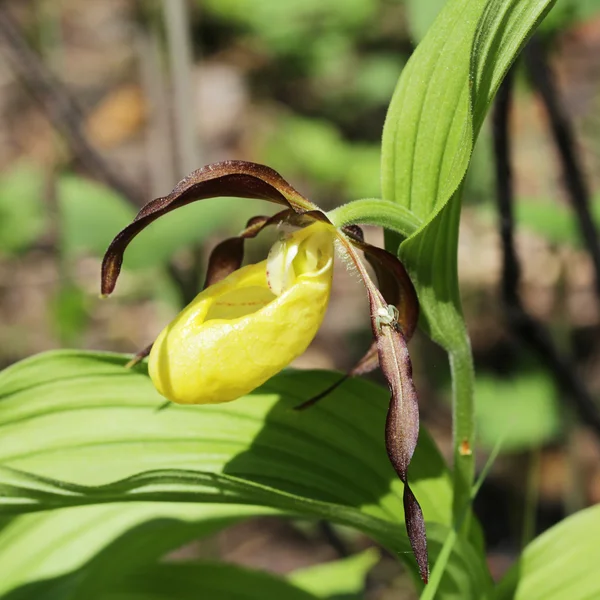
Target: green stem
{"x": 463, "y": 417}
{"x": 381, "y": 213}
{"x": 443, "y": 557}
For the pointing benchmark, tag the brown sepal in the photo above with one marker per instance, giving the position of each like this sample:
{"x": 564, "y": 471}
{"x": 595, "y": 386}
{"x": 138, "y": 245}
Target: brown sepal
{"x": 228, "y": 178}
{"x": 402, "y": 424}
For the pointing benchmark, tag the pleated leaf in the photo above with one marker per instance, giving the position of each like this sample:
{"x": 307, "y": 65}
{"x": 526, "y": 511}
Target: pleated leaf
{"x": 81, "y": 429}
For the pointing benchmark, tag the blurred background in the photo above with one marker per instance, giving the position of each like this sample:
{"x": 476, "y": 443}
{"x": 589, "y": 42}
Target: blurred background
{"x": 106, "y": 104}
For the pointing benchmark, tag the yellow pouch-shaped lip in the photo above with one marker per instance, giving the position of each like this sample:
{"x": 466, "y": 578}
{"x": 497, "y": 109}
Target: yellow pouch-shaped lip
{"x": 238, "y": 333}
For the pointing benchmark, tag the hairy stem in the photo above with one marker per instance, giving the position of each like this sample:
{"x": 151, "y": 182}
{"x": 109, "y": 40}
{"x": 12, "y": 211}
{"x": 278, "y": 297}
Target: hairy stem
{"x": 373, "y": 211}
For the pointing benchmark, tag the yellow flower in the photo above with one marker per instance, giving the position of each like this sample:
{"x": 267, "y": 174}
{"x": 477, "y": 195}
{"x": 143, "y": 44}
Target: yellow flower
{"x": 239, "y": 332}
{"x": 250, "y": 322}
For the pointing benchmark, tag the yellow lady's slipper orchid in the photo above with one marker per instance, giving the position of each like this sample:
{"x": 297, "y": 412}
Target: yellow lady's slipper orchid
{"x": 241, "y": 331}
{"x": 251, "y": 322}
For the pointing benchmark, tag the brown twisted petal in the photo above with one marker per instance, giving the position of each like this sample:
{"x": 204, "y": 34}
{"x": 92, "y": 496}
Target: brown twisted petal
{"x": 402, "y": 424}
{"x": 229, "y": 178}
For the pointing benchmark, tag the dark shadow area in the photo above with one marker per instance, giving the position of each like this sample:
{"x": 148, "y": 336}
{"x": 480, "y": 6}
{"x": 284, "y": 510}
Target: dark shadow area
{"x": 336, "y": 447}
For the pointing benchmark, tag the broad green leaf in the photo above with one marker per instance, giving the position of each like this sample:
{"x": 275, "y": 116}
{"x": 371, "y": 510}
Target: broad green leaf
{"x": 193, "y": 581}
{"x": 523, "y": 411}
{"x": 22, "y": 210}
{"x": 69, "y": 551}
{"x": 435, "y": 115}
{"x": 343, "y": 578}
{"x": 561, "y": 563}
{"x": 91, "y": 216}
{"x": 84, "y": 420}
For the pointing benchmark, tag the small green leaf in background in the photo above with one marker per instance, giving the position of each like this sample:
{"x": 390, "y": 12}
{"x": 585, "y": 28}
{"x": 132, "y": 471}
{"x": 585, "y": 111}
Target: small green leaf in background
{"x": 285, "y": 26}
{"x": 421, "y": 15}
{"x": 545, "y": 217}
{"x": 561, "y": 564}
{"x": 522, "y": 411}
{"x": 310, "y": 147}
{"x": 568, "y": 13}
{"x": 23, "y": 215}
{"x": 69, "y": 311}
{"x": 77, "y": 550}
{"x": 316, "y": 150}
{"x": 343, "y": 579}
{"x": 90, "y": 214}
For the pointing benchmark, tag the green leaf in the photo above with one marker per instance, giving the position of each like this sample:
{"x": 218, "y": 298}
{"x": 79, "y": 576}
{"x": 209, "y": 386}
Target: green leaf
{"x": 69, "y": 309}
{"x": 22, "y": 211}
{"x": 523, "y": 411}
{"x": 90, "y": 214}
{"x": 561, "y": 563}
{"x": 436, "y": 112}
{"x": 341, "y": 578}
{"x": 192, "y": 581}
{"x": 62, "y": 412}
{"x": 74, "y": 551}
{"x": 421, "y": 16}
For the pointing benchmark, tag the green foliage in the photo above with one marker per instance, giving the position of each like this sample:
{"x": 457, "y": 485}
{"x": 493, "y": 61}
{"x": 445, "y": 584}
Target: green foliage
{"x": 567, "y": 13}
{"x": 315, "y": 149}
{"x": 522, "y": 411}
{"x": 435, "y": 115}
{"x": 196, "y": 580}
{"x": 285, "y": 26}
{"x": 79, "y": 550}
{"x": 553, "y": 221}
{"x": 421, "y": 15}
{"x": 22, "y": 211}
{"x": 64, "y": 411}
{"x": 90, "y": 214}
{"x": 69, "y": 308}
{"x": 548, "y": 218}
{"x": 341, "y": 579}
{"x": 97, "y": 484}
{"x": 561, "y": 563}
